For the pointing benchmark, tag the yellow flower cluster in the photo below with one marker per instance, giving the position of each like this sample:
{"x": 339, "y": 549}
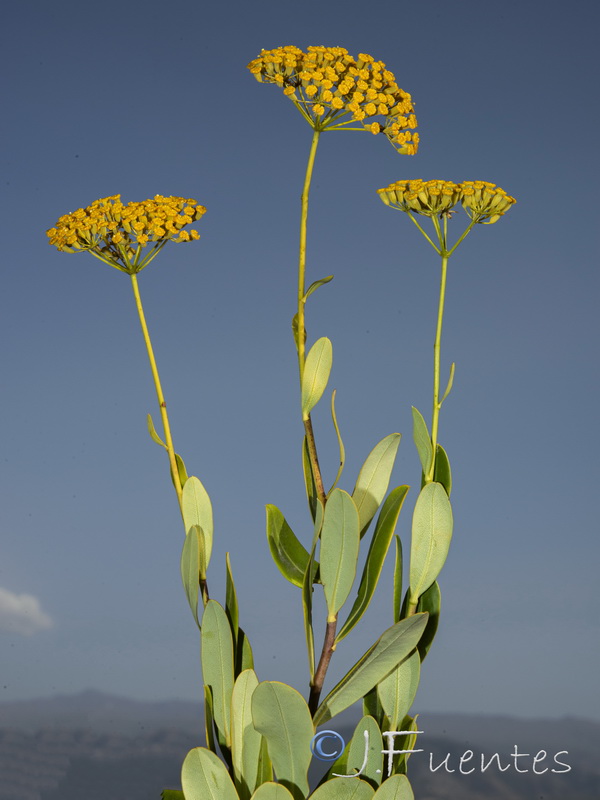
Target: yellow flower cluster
{"x": 484, "y": 202}
{"x": 332, "y": 89}
{"x": 117, "y": 233}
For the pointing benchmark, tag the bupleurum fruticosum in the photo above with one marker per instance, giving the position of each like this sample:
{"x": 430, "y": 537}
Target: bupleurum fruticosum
{"x": 332, "y": 90}
{"x": 118, "y": 234}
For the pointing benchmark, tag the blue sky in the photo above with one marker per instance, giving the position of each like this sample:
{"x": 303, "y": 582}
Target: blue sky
{"x": 138, "y": 100}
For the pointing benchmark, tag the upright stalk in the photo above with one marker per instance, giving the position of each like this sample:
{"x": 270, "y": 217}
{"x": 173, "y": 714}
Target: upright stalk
{"x": 300, "y": 321}
{"x": 159, "y": 392}
{"x": 436, "y": 365}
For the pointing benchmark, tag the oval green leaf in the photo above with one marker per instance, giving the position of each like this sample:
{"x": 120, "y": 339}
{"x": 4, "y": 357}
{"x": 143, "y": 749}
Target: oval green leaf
{"x": 217, "y": 664}
{"x": 272, "y": 791}
{"x": 281, "y": 715}
{"x": 431, "y": 535}
{"x": 374, "y": 478}
{"x": 365, "y": 753}
{"x": 152, "y": 431}
{"x": 197, "y": 510}
{"x": 387, "y": 652}
{"x": 205, "y": 777}
{"x": 397, "y": 691}
{"x": 343, "y": 789}
{"x": 442, "y": 471}
{"x": 340, "y": 542}
{"x": 384, "y": 530}
{"x": 193, "y": 564}
{"x": 396, "y": 787}
{"x": 316, "y": 374}
{"x": 290, "y": 556}
{"x": 314, "y": 286}
{"x": 245, "y": 740}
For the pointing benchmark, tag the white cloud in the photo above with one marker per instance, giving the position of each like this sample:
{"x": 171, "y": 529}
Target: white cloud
{"x": 22, "y": 613}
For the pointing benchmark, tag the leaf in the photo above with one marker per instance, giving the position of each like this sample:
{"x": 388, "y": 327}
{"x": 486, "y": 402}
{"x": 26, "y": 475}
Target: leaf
{"x": 340, "y": 443}
{"x": 209, "y": 720}
{"x": 384, "y": 530}
{"x": 172, "y": 794}
{"x": 449, "y": 384}
{"x": 307, "y": 591}
{"x": 155, "y": 438}
{"x": 245, "y": 740}
{"x": 243, "y": 654}
{"x": 396, "y": 787}
{"x": 264, "y": 773}
{"x": 295, "y": 330}
{"x": 343, "y": 789}
{"x": 387, "y": 652}
{"x": 281, "y": 714}
{"x": 217, "y": 664}
{"x": 372, "y": 708}
{"x": 430, "y": 601}
{"x": 339, "y": 549}
{"x": 205, "y": 777}
{"x": 288, "y": 553}
{"x": 364, "y": 753}
{"x": 314, "y": 286}
{"x": 272, "y": 791}
{"x": 197, "y": 510}
{"x": 231, "y": 602}
{"x": 398, "y": 580}
{"x": 316, "y": 374}
{"x": 374, "y": 478}
{"x": 431, "y": 535}
{"x": 442, "y": 472}
{"x": 181, "y": 470}
{"x": 192, "y": 562}
{"x": 422, "y": 440}
{"x": 309, "y": 480}
{"x": 397, "y": 691}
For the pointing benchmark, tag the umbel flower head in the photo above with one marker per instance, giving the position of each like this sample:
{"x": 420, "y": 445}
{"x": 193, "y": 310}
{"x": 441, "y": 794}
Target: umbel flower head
{"x": 331, "y": 90}
{"x": 484, "y": 202}
{"x": 117, "y": 233}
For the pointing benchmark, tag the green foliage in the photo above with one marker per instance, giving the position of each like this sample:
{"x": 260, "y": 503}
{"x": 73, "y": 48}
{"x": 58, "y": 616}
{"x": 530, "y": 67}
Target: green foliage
{"x": 398, "y": 580}
{"x": 272, "y": 791}
{"x": 374, "y": 478}
{"x": 430, "y": 601}
{"x": 316, "y": 374}
{"x": 422, "y": 440}
{"x": 288, "y": 553}
{"x": 397, "y": 691}
{"x": 205, "y": 777}
{"x": 218, "y": 665}
{"x": 281, "y": 715}
{"x": 442, "y": 473}
{"x": 431, "y": 535}
{"x": 387, "y": 652}
{"x": 245, "y": 740}
{"x": 314, "y": 286}
{"x": 397, "y": 787}
{"x": 155, "y": 438}
{"x": 307, "y": 590}
{"x": 384, "y": 530}
{"x": 343, "y": 789}
{"x": 171, "y": 794}
{"x": 196, "y": 509}
{"x": 339, "y": 549}
{"x": 340, "y": 443}
{"x": 193, "y": 565}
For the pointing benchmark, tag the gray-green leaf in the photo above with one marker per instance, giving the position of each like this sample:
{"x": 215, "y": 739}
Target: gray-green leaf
{"x": 395, "y": 787}
{"x": 205, "y": 777}
{"x": 245, "y": 740}
{"x": 193, "y": 562}
{"x": 431, "y": 535}
{"x": 374, "y": 478}
{"x": 422, "y": 440}
{"x": 288, "y": 553}
{"x": 316, "y": 374}
{"x": 197, "y": 510}
{"x": 397, "y": 691}
{"x": 217, "y": 664}
{"x": 340, "y": 542}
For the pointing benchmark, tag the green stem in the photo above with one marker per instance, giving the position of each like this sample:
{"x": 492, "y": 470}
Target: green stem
{"x": 436, "y": 364}
{"x": 301, "y": 326}
{"x": 159, "y": 392}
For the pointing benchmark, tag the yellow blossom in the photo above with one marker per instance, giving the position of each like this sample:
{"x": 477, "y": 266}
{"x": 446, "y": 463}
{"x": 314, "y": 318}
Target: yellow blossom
{"x": 332, "y": 89}
{"x": 485, "y": 202}
{"x": 117, "y": 233}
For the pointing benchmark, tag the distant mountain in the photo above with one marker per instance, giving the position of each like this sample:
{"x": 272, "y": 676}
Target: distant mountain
{"x": 95, "y": 746}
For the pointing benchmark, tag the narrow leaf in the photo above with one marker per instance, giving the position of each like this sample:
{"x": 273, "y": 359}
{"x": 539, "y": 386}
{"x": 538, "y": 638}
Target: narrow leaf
{"x": 309, "y": 480}
{"x": 307, "y": 591}
{"x": 449, "y": 384}
{"x": 398, "y": 580}
{"x": 340, "y": 443}
{"x": 339, "y": 549}
{"x": 397, "y": 691}
{"x": 231, "y": 602}
{"x": 396, "y": 787}
{"x": 430, "y": 601}
{"x": 181, "y": 471}
{"x": 245, "y": 740}
{"x": 152, "y": 431}
{"x": 374, "y": 478}
{"x": 431, "y": 535}
{"x": 288, "y": 553}
{"x": 422, "y": 440}
{"x": 316, "y": 374}
{"x": 384, "y": 530}
{"x": 314, "y": 286}
{"x": 197, "y": 510}
{"x": 442, "y": 471}
{"x": 243, "y": 654}
{"x": 217, "y": 663}
{"x": 171, "y": 794}
{"x": 209, "y": 720}
{"x": 205, "y": 777}
{"x": 387, "y": 652}
{"x": 281, "y": 715}
{"x": 192, "y": 561}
